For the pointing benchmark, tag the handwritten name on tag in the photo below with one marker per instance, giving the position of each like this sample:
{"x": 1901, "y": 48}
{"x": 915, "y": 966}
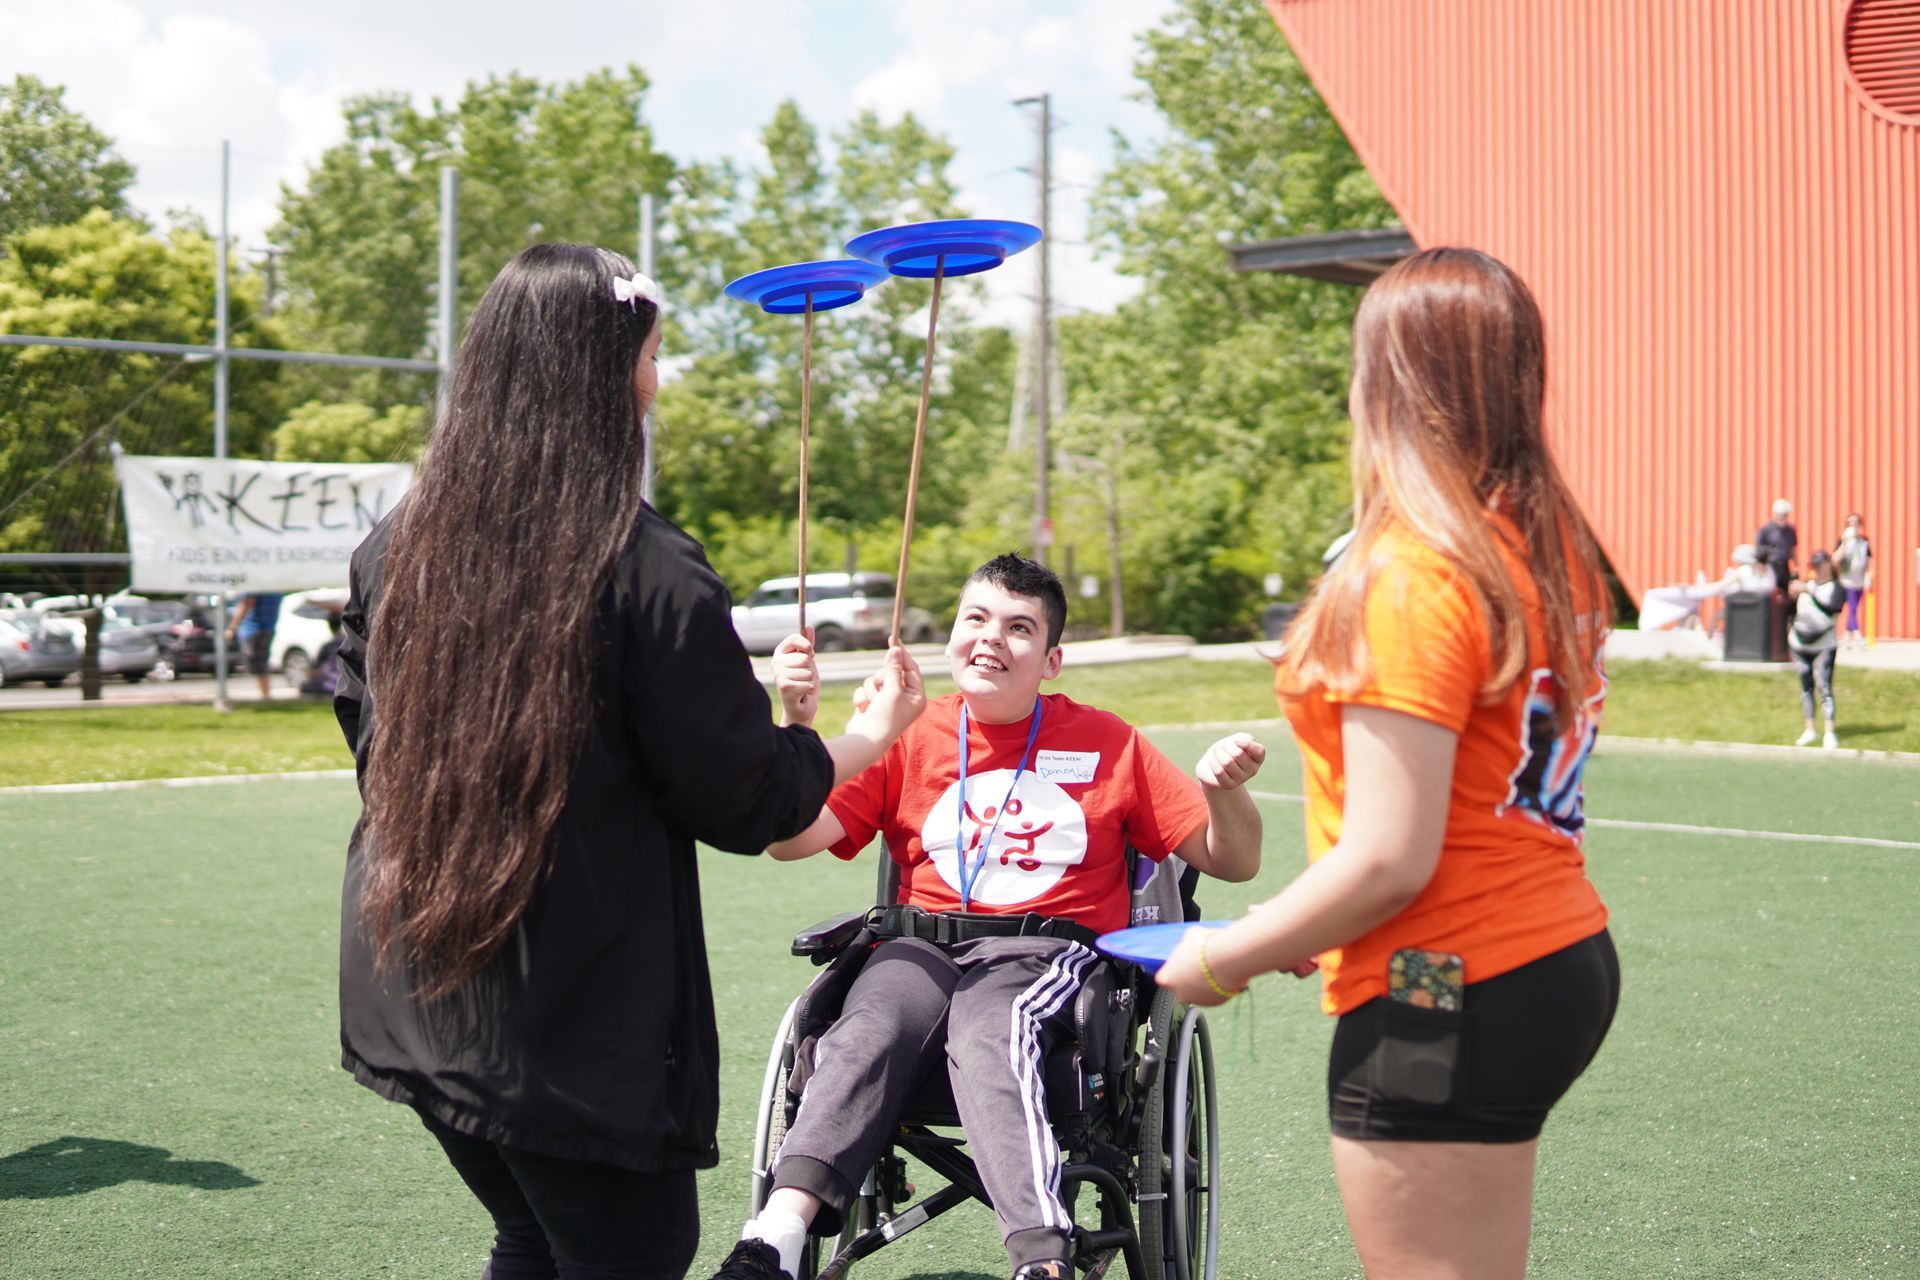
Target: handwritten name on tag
{"x": 1066, "y": 767}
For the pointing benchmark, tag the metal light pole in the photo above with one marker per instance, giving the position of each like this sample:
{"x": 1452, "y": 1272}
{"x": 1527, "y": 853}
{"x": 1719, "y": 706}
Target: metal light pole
{"x": 220, "y": 407}
{"x": 1042, "y": 532}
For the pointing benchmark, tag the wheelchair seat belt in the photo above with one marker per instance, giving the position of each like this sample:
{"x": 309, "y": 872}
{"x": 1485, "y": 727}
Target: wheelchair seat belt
{"x": 946, "y": 928}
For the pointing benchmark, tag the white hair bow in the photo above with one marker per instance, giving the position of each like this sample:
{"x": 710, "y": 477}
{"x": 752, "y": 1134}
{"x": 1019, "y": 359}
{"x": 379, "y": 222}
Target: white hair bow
{"x": 631, "y": 291}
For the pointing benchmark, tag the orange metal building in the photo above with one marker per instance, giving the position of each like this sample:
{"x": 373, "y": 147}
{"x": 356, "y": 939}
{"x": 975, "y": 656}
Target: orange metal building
{"x": 1717, "y": 203}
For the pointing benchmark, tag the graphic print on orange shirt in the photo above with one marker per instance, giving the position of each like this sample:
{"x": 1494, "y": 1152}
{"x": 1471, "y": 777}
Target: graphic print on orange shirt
{"x": 1548, "y": 784}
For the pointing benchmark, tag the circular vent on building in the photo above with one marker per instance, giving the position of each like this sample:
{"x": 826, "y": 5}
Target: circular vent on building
{"x": 1883, "y": 53}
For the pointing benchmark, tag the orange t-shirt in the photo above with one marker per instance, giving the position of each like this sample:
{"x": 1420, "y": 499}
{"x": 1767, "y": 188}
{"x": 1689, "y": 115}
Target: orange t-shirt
{"x": 1511, "y": 883}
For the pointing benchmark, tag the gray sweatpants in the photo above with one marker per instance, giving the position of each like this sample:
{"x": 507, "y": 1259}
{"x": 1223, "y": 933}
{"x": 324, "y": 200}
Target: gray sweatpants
{"x": 986, "y": 1012}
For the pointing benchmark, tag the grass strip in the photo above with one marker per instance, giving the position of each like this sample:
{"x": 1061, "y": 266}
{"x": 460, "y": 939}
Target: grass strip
{"x": 1878, "y": 710}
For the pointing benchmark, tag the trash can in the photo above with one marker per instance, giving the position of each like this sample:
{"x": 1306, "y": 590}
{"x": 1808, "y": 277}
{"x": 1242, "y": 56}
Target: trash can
{"x": 1756, "y": 627}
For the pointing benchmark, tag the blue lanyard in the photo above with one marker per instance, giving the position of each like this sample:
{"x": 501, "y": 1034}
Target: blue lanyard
{"x": 967, "y": 873}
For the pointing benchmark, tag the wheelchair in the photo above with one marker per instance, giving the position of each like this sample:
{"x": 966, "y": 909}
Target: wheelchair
{"x": 1130, "y": 1097}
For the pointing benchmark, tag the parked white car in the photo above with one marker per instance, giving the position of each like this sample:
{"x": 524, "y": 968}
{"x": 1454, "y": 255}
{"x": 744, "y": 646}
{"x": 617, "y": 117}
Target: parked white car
{"x": 304, "y": 628}
{"x": 845, "y": 612}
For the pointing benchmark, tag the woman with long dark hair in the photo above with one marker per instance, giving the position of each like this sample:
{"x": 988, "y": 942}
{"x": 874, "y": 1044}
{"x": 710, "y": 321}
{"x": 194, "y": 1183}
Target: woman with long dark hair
{"x": 548, "y": 705}
{"x": 1444, "y": 685}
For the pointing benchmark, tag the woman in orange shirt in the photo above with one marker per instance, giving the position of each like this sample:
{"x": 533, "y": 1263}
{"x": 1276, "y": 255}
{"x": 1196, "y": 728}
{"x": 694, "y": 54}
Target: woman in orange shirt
{"x": 1444, "y": 685}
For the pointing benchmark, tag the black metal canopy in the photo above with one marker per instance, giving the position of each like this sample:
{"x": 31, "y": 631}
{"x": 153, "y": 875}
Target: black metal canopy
{"x": 1344, "y": 257}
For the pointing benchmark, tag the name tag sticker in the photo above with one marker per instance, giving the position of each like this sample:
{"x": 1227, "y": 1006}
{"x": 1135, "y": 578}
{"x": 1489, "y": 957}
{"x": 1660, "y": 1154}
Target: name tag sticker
{"x": 1064, "y": 767}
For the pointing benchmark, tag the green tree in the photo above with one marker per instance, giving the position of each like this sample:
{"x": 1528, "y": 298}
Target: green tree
{"x": 730, "y": 422}
{"x": 61, "y": 409}
{"x": 54, "y": 165}
{"x": 347, "y": 432}
{"x": 537, "y": 161}
{"x": 1228, "y": 389}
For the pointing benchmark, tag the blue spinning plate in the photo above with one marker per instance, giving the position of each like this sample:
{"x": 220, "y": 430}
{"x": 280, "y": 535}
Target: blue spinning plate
{"x": 782, "y": 291}
{"x": 966, "y": 244}
{"x": 1148, "y": 944}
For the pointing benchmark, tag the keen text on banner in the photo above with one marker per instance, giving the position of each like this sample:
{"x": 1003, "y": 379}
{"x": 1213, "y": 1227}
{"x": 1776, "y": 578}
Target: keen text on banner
{"x": 203, "y": 526}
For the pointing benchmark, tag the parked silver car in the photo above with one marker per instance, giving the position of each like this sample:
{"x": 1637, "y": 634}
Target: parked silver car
{"x": 846, "y": 611}
{"x": 127, "y": 651}
{"x": 33, "y": 647}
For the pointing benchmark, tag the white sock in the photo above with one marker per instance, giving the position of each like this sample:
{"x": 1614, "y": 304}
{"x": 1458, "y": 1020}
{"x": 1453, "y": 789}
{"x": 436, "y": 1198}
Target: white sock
{"x": 783, "y": 1231}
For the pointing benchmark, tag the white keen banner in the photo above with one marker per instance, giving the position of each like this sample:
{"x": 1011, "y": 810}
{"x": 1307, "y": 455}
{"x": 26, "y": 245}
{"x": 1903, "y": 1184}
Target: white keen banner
{"x": 198, "y": 525}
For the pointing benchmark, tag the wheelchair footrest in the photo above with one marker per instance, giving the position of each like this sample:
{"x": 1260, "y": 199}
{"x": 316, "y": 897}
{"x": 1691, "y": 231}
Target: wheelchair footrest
{"x": 869, "y": 1242}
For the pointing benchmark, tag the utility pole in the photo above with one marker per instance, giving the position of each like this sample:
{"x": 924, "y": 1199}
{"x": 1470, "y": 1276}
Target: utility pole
{"x": 272, "y": 255}
{"x": 1043, "y": 344}
{"x": 220, "y": 407}
{"x": 449, "y": 277}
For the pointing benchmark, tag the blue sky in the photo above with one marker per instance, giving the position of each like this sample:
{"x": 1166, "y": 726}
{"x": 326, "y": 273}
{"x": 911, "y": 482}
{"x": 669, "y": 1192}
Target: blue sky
{"x": 169, "y": 79}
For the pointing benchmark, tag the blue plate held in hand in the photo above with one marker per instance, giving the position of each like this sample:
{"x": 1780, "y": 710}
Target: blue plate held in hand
{"x": 1148, "y": 945}
{"x": 964, "y": 245}
{"x": 782, "y": 291}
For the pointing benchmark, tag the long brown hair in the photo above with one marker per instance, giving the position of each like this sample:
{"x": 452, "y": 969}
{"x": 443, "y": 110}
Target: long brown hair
{"x": 1449, "y": 380}
{"x": 481, "y": 659}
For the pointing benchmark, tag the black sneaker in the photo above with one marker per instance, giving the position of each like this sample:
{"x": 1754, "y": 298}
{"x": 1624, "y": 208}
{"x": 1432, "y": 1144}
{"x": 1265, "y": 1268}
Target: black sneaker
{"x": 752, "y": 1260}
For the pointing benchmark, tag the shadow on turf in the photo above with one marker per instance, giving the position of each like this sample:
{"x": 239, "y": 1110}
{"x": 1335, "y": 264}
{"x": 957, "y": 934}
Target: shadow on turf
{"x": 74, "y": 1166}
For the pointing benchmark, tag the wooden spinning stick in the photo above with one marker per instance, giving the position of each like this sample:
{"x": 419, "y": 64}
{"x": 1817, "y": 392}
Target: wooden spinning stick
{"x": 806, "y": 287}
{"x": 806, "y": 419}
{"x": 919, "y": 439}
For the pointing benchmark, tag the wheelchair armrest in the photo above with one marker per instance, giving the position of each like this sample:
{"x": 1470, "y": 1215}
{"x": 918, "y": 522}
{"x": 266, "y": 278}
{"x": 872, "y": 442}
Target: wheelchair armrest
{"x": 827, "y": 939}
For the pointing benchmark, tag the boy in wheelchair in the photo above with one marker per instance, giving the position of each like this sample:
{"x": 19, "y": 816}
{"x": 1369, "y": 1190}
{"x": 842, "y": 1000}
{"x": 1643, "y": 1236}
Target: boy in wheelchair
{"x": 1009, "y": 814}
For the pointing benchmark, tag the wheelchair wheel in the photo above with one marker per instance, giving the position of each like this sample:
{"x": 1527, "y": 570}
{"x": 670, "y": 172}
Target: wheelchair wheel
{"x": 770, "y": 1129}
{"x": 1180, "y": 1154}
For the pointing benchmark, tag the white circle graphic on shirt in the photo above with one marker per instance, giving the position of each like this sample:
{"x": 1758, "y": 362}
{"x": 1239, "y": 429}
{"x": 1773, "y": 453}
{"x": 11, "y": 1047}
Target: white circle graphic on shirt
{"x": 1041, "y": 834}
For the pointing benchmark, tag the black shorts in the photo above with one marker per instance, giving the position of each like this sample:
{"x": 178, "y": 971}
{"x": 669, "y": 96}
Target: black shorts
{"x": 1487, "y": 1073}
{"x": 255, "y": 646}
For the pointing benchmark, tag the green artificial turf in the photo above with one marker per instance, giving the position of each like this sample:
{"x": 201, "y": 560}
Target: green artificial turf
{"x": 173, "y": 1104}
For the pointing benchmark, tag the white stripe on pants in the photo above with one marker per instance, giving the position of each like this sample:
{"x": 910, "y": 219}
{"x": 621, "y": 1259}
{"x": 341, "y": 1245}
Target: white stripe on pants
{"x": 1006, "y": 1013}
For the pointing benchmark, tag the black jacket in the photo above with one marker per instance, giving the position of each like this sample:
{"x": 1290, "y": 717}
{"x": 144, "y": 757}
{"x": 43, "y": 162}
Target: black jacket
{"x": 591, "y": 1036}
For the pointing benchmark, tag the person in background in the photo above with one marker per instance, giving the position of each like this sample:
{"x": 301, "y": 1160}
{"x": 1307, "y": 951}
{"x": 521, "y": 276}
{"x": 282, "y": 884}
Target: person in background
{"x": 1814, "y": 642}
{"x": 1746, "y": 573}
{"x": 253, "y": 623}
{"x": 1777, "y": 542}
{"x": 1853, "y": 558}
{"x": 1445, "y": 685}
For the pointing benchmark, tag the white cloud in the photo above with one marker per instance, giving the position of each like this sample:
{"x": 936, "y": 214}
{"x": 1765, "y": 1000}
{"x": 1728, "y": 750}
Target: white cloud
{"x": 960, "y": 66}
{"x": 1109, "y": 32}
{"x": 170, "y": 78}
{"x": 169, "y": 91}
{"x": 907, "y": 84}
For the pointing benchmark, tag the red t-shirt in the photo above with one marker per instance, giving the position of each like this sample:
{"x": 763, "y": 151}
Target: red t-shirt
{"x": 1093, "y": 787}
